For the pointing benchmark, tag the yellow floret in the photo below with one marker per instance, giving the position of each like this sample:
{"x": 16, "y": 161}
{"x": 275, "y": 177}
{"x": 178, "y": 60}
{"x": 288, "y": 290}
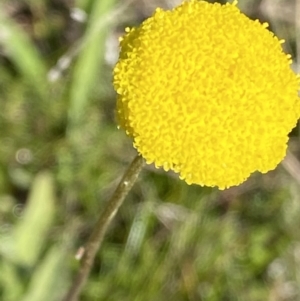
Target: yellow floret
{"x": 206, "y": 92}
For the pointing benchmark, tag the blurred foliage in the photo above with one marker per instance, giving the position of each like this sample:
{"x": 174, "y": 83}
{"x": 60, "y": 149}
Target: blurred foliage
{"x": 61, "y": 156}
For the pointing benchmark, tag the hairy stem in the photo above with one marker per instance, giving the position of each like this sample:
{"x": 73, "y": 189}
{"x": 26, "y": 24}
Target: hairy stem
{"x": 94, "y": 242}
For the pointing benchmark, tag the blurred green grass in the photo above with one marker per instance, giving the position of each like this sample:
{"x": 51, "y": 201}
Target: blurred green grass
{"x": 61, "y": 156}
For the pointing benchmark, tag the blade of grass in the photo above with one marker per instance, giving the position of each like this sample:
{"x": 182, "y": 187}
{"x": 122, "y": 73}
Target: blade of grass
{"x": 31, "y": 230}
{"x": 86, "y": 71}
{"x": 48, "y": 279}
{"x": 22, "y": 52}
{"x": 10, "y": 282}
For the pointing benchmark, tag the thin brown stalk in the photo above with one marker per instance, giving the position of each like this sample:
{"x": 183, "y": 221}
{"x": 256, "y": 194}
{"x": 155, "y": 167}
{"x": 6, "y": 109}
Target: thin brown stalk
{"x": 94, "y": 242}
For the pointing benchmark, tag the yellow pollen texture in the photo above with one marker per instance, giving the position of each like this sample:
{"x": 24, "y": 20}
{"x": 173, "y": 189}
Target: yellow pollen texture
{"x": 206, "y": 92}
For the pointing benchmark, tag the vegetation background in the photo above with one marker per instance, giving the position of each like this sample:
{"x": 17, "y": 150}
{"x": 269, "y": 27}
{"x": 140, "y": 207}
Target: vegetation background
{"x": 61, "y": 156}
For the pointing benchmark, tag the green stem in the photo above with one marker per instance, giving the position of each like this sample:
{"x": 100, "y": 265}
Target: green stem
{"x": 94, "y": 242}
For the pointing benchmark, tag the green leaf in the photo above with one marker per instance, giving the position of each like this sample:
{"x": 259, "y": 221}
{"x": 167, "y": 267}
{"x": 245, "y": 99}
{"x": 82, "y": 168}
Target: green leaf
{"x": 22, "y": 52}
{"x": 86, "y": 71}
{"x": 31, "y": 231}
{"x": 46, "y": 281}
{"x": 10, "y": 282}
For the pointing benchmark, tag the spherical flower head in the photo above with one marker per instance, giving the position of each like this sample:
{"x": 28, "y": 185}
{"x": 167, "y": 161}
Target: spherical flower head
{"x": 206, "y": 92}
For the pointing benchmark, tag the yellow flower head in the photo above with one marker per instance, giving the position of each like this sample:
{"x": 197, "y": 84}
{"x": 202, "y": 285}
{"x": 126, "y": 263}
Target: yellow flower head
{"x": 206, "y": 92}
